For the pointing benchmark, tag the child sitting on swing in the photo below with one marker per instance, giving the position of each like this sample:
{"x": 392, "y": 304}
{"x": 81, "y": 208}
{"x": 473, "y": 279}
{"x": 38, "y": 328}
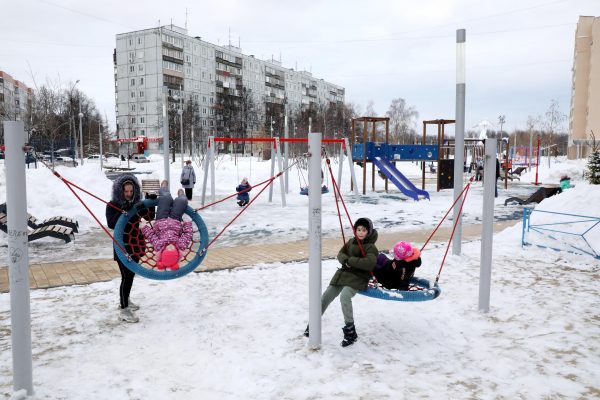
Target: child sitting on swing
{"x": 243, "y": 198}
{"x": 170, "y": 235}
{"x": 396, "y": 273}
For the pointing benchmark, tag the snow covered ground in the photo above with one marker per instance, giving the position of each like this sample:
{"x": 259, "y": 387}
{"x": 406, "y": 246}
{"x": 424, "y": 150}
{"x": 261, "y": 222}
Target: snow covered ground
{"x": 238, "y": 334}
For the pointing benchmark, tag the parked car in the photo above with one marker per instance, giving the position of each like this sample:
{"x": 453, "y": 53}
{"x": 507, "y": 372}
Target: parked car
{"x": 67, "y": 161}
{"x": 139, "y": 158}
{"x": 111, "y": 155}
{"x": 95, "y": 157}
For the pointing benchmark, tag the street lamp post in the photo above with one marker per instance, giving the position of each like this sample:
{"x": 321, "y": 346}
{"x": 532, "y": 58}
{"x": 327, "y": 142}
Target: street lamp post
{"x": 80, "y": 134}
{"x": 71, "y": 121}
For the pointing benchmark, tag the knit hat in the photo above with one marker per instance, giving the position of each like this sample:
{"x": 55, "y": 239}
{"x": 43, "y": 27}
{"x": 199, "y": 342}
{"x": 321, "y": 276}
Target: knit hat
{"x": 402, "y": 250}
{"x": 365, "y": 222}
{"x": 170, "y": 257}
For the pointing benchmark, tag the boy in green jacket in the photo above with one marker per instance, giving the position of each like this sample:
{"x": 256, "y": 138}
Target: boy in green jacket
{"x": 353, "y": 276}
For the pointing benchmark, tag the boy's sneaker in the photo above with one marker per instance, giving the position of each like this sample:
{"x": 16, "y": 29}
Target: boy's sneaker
{"x": 350, "y": 335}
{"x": 127, "y": 315}
{"x": 133, "y": 306}
{"x": 306, "y": 331}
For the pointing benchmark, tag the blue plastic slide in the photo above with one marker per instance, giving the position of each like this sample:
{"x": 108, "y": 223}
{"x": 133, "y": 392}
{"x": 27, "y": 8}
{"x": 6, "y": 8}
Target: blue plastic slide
{"x": 401, "y": 181}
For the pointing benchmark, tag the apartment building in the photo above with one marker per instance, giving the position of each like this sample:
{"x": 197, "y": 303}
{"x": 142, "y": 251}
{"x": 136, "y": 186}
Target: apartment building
{"x": 585, "y": 94}
{"x": 221, "y": 82}
{"x": 15, "y": 98}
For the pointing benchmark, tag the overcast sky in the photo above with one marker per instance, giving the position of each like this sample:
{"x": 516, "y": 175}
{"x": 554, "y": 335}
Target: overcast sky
{"x": 519, "y": 52}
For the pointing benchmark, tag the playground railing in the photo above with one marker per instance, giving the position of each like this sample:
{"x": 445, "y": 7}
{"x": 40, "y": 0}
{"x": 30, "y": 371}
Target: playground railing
{"x": 579, "y": 230}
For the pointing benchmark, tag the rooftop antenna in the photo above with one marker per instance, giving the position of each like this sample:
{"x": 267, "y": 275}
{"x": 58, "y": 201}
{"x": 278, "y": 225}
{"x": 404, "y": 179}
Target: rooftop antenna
{"x": 171, "y": 23}
{"x": 239, "y": 42}
{"x": 280, "y": 56}
{"x": 229, "y": 36}
{"x": 186, "y": 15}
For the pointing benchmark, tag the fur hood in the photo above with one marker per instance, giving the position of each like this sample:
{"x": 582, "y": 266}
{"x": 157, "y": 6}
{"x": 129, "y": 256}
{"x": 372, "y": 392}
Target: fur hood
{"x": 117, "y": 188}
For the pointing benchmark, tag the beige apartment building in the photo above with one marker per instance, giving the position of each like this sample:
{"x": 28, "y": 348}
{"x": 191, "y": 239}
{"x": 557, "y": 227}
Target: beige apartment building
{"x": 585, "y": 94}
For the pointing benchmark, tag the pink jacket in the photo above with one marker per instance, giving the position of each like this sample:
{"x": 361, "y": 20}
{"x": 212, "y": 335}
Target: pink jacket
{"x": 169, "y": 231}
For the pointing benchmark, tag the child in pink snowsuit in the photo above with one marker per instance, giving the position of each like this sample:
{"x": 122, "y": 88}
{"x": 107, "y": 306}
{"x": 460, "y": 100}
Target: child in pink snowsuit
{"x": 170, "y": 235}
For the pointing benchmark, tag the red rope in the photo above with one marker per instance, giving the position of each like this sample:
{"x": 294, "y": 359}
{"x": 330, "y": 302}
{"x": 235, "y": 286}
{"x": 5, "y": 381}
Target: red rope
{"x": 236, "y": 193}
{"x": 437, "y": 278}
{"x": 240, "y": 213}
{"x": 94, "y": 216}
{"x": 447, "y": 212}
{"x": 337, "y": 205}
{"x": 69, "y": 183}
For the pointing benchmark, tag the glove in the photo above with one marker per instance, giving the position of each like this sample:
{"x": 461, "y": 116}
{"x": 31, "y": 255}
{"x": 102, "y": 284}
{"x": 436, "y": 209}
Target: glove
{"x": 343, "y": 259}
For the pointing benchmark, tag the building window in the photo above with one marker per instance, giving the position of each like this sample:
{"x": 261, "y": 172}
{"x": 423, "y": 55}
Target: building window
{"x": 131, "y": 56}
{"x": 143, "y": 132}
{"x": 141, "y": 93}
{"x": 133, "y": 120}
{"x": 132, "y": 95}
{"x": 133, "y": 107}
{"x": 142, "y": 121}
{"x": 132, "y": 81}
{"x": 141, "y": 81}
{"x": 142, "y": 108}
{"x": 130, "y": 42}
{"x": 139, "y": 40}
{"x": 141, "y": 67}
{"x": 132, "y": 68}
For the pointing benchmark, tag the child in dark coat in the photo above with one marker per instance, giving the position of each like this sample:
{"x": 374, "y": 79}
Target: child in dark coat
{"x": 396, "y": 273}
{"x": 243, "y": 198}
{"x": 358, "y": 258}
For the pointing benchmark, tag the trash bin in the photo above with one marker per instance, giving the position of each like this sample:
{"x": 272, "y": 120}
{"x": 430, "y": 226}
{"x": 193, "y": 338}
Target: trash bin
{"x": 565, "y": 184}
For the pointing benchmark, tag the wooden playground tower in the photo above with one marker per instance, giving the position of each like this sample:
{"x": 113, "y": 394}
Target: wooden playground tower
{"x": 442, "y": 173}
{"x": 366, "y": 121}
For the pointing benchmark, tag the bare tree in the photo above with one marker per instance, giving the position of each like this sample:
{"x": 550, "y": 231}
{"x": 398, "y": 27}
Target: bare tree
{"x": 403, "y": 119}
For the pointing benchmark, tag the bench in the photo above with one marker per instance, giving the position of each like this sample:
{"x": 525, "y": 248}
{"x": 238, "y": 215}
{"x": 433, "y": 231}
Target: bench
{"x": 150, "y": 186}
{"x": 55, "y": 231}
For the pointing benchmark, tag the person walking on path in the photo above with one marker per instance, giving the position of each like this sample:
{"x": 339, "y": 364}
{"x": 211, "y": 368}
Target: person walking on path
{"x": 126, "y": 192}
{"x": 358, "y": 258}
{"x": 188, "y": 179}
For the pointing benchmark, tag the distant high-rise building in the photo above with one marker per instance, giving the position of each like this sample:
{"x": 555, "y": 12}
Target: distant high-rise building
{"x": 15, "y": 100}
{"x": 227, "y": 92}
{"x": 585, "y": 95}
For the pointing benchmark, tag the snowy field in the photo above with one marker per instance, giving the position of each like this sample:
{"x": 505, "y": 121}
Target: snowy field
{"x": 238, "y": 334}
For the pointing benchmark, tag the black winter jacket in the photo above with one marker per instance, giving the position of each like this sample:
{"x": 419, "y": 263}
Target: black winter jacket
{"x": 132, "y": 229}
{"x": 399, "y": 277}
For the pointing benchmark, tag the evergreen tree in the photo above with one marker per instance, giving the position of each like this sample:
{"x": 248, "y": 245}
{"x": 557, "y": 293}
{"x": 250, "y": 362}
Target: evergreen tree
{"x": 593, "y": 172}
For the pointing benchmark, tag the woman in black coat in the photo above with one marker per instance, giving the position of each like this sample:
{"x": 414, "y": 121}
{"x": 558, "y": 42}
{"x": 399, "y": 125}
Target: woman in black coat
{"x": 126, "y": 192}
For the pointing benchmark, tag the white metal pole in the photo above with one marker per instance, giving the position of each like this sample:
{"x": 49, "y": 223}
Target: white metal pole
{"x": 207, "y": 162}
{"x": 286, "y": 149}
{"x": 351, "y": 165}
{"x": 314, "y": 240}
{"x": 80, "y": 134}
{"x": 165, "y": 127}
{"x": 487, "y": 231}
{"x": 180, "y": 112}
{"x": 272, "y": 144}
{"x": 459, "y": 135}
{"x": 341, "y": 165}
{"x": 192, "y": 139}
{"x": 280, "y": 168}
{"x": 213, "y": 155}
{"x": 18, "y": 256}
{"x": 100, "y": 138}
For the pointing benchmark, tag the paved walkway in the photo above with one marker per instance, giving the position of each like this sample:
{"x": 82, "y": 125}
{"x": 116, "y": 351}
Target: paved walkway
{"x": 85, "y": 272}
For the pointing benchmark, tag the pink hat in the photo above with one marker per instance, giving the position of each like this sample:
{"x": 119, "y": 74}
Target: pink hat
{"x": 170, "y": 257}
{"x": 402, "y": 250}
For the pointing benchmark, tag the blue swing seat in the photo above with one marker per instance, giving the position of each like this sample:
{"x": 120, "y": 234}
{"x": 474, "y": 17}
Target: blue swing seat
{"x": 153, "y": 273}
{"x": 428, "y": 292}
{"x": 304, "y": 190}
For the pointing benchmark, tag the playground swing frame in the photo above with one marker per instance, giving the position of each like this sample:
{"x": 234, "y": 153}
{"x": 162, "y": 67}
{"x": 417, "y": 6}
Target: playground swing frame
{"x": 276, "y": 156}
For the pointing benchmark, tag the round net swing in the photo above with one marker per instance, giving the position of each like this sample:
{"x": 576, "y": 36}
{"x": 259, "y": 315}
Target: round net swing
{"x": 142, "y": 256}
{"x": 420, "y": 289}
